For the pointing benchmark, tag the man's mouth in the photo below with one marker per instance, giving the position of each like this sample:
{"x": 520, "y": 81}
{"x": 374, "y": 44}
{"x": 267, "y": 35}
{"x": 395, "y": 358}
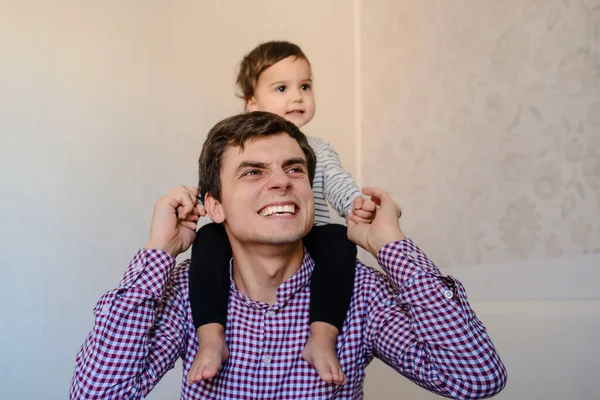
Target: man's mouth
{"x": 279, "y": 210}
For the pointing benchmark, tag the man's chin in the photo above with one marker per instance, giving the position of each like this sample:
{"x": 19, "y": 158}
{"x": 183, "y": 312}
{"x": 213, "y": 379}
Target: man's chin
{"x": 282, "y": 238}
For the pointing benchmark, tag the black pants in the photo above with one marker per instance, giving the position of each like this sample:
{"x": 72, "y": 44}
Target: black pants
{"x": 331, "y": 285}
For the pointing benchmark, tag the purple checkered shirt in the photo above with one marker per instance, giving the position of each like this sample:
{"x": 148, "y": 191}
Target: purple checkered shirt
{"x": 413, "y": 318}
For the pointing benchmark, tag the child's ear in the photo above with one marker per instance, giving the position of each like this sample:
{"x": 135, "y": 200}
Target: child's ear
{"x": 214, "y": 209}
{"x": 251, "y": 105}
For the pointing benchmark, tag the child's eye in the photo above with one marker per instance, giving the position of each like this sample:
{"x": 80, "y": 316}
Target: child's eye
{"x": 281, "y": 88}
{"x": 305, "y": 87}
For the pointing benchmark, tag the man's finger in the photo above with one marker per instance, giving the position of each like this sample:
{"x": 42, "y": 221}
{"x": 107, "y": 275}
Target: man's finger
{"x": 382, "y": 195}
{"x": 363, "y": 214}
{"x": 362, "y": 220}
{"x": 188, "y": 224}
{"x": 193, "y": 190}
{"x": 188, "y": 202}
{"x": 191, "y": 217}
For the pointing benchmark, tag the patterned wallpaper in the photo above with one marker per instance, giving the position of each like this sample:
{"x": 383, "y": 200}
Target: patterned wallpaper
{"x": 482, "y": 118}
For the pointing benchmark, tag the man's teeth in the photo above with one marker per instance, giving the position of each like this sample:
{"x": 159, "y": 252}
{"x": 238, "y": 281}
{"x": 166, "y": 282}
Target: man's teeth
{"x": 288, "y": 209}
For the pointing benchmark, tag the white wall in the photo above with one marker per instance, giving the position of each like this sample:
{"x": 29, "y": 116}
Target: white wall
{"x": 104, "y": 107}
{"x": 460, "y": 111}
{"x": 483, "y": 120}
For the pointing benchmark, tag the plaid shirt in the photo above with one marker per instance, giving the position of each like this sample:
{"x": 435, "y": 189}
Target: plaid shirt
{"x": 413, "y": 318}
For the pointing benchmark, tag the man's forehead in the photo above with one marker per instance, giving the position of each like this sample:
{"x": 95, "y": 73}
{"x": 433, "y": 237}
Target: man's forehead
{"x": 267, "y": 148}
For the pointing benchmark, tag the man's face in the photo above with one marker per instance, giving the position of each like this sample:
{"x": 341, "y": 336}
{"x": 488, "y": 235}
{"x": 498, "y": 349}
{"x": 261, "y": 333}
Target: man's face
{"x": 285, "y": 89}
{"x": 266, "y": 196}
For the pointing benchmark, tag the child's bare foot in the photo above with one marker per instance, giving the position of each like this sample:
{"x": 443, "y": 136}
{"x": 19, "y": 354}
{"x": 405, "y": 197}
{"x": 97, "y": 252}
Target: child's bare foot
{"x": 212, "y": 353}
{"x": 320, "y": 352}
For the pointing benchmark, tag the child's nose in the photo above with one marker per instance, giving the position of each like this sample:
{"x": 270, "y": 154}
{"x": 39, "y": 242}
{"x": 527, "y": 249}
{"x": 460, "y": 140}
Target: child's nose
{"x": 297, "y": 95}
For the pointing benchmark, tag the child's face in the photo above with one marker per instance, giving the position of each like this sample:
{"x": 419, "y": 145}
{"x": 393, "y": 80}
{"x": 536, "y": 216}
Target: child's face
{"x": 285, "y": 89}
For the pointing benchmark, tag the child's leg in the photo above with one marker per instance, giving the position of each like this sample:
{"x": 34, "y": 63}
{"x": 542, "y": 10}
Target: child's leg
{"x": 332, "y": 285}
{"x": 209, "y": 295}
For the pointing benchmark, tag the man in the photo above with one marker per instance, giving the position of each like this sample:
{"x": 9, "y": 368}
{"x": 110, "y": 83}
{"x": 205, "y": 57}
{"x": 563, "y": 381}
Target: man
{"x": 255, "y": 174}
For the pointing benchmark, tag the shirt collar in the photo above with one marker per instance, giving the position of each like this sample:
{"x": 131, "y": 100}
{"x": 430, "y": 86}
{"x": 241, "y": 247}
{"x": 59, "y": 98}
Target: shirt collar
{"x": 284, "y": 292}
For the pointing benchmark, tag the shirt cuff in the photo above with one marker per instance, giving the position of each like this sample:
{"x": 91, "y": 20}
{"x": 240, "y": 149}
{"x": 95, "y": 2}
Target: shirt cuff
{"x": 413, "y": 273}
{"x": 149, "y": 271}
{"x": 403, "y": 259}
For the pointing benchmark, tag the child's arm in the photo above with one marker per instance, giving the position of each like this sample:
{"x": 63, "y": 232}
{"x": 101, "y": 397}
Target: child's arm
{"x": 340, "y": 189}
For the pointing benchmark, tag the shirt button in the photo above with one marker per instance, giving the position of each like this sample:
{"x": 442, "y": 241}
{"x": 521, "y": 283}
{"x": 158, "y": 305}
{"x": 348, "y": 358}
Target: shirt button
{"x": 270, "y": 313}
{"x": 414, "y": 254}
{"x": 266, "y": 359}
{"x": 448, "y": 294}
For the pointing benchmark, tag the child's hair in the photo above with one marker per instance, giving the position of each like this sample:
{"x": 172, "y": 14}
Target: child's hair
{"x": 261, "y": 58}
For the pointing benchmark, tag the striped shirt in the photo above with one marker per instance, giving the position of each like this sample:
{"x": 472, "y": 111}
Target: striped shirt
{"x": 332, "y": 183}
{"x": 415, "y": 319}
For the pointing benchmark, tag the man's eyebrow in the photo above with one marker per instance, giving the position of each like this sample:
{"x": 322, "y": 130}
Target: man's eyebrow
{"x": 262, "y": 165}
{"x": 252, "y": 164}
{"x": 295, "y": 160}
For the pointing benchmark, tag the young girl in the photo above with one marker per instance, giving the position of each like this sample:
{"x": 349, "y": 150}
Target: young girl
{"x": 276, "y": 77}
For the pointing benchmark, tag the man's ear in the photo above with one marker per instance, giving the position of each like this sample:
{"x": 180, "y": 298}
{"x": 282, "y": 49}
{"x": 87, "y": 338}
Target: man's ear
{"x": 251, "y": 105}
{"x": 214, "y": 209}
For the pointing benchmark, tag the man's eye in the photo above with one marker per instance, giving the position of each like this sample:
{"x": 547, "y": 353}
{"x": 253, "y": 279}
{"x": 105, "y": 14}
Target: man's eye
{"x": 252, "y": 172}
{"x": 305, "y": 87}
{"x": 296, "y": 170}
{"x": 281, "y": 88}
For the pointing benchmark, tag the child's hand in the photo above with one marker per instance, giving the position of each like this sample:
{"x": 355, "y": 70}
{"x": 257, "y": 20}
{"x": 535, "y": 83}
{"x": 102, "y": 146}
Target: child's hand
{"x": 364, "y": 210}
{"x": 201, "y": 208}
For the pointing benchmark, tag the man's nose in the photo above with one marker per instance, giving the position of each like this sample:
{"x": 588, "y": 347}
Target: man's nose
{"x": 279, "y": 180}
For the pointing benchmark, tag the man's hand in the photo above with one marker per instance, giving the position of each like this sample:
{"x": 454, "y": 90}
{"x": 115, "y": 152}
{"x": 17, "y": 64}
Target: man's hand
{"x": 173, "y": 228}
{"x": 364, "y": 210}
{"x": 384, "y": 229}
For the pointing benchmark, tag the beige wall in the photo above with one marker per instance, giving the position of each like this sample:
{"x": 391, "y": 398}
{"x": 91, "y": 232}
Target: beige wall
{"x": 104, "y": 106}
{"x": 483, "y": 120}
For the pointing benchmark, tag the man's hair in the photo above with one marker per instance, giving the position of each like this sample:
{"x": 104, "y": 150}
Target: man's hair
{"x": 235, "y": 132}
{"x": 261, "y": 58}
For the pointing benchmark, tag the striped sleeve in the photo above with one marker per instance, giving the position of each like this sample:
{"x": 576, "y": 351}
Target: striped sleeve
{"x": 339, "y": 188}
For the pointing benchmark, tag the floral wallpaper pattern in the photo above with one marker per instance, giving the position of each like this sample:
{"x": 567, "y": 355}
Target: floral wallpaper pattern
{"x": 482, "y": 118}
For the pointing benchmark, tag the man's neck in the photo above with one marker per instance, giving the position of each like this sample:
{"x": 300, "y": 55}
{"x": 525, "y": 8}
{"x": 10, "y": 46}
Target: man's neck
{"x": 258, "y": 270}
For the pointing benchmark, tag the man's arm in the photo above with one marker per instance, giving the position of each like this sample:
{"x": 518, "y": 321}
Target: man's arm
{"x": 139, "y": 329}
{"x": 139, "y": 333}
{"x": 426, "y": 330}
{"x": 421, "y": 323}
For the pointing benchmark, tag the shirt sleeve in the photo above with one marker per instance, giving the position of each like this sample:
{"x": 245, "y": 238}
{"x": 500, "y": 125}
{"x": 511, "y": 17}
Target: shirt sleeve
{"x": 139, "y": 332}
{"x": 421, "y": 324}
{"x": 340, "y": 188}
